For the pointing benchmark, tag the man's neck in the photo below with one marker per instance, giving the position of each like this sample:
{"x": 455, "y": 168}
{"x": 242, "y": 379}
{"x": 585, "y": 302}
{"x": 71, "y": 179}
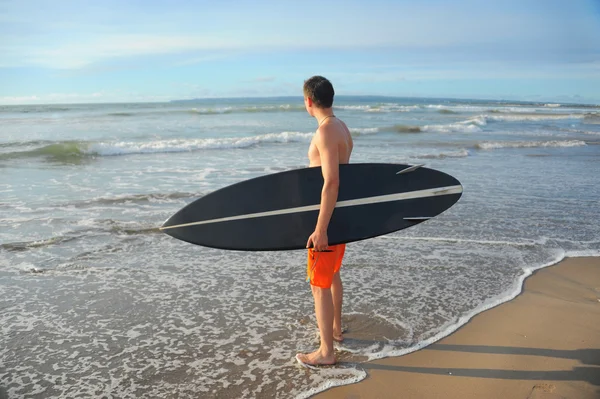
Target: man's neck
{"x": 321, "y": 114}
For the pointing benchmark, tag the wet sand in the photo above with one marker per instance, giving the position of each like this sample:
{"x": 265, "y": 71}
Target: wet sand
{"x": 544, "y": 344}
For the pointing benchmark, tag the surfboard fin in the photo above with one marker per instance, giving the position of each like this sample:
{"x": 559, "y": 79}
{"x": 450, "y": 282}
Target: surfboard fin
{"x": 410, "y": 169}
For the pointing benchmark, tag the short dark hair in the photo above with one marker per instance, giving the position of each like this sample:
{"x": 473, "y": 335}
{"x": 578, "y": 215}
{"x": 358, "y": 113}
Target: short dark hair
{"x": 320, "y": 91}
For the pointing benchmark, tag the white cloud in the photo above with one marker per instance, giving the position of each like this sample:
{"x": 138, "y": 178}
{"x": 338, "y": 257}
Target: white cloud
{"x": 81, "y": 53}
{"x": 12, "y": 100}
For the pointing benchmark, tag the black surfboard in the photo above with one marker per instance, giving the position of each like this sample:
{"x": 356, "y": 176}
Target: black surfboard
{"x": 279, "y": 211}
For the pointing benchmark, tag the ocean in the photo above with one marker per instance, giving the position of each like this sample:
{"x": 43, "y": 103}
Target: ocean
{"x": 96, "y": 302}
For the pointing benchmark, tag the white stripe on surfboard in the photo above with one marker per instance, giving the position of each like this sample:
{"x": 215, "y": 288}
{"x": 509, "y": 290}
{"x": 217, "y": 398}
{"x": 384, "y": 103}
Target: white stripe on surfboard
{"x": 432, "y": 192}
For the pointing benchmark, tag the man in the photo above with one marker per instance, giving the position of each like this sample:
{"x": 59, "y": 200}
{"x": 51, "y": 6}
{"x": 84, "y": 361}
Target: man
{"x": 330, "y": 147}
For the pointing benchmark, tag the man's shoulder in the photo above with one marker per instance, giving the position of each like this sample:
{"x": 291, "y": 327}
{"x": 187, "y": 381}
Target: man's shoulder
{"x": 326, "y": 135}
{"x": 331, "y": 129}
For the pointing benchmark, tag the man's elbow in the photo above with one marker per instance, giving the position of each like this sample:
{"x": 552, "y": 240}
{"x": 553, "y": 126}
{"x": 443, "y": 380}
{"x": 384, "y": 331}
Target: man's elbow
{"x": 331, "y": 184}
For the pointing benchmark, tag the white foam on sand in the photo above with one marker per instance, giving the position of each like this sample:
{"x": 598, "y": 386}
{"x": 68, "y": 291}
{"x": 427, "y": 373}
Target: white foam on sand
{"x": 451, "y": 327}
{"x": 332, "y": 377}
{"x": 581, "y": 254}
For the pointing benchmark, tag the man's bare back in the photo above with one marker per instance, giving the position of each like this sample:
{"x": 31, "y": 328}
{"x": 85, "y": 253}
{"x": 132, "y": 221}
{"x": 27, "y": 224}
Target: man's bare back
{"x": 337, "y": 128}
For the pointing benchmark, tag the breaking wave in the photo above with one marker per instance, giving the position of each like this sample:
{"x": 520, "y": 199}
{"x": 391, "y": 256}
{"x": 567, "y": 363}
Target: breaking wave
{"x": 248, "y": 109}
{"x": 492, "y": 145}
{"x": 65, "y": 151}
{"x": 363, "y": 131}
{"x": 515, "y": 117}
{"x": 73, "y": 151}
{"x": 387, "y": 107}
{"x": 210, "y": 110}
{"x": 472, "y": 125}
{"x": 186, "y": 145}
{"x": 450, "y": 154}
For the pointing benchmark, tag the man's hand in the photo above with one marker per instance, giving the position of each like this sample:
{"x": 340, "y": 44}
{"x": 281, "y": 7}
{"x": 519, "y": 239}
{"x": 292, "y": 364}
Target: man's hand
{"x": 318, "y": 241}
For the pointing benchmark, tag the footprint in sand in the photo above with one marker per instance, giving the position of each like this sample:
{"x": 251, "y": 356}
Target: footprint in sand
{"x": 544, "y": 391}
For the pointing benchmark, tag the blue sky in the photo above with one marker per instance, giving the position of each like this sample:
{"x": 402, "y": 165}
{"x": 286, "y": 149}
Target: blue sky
{"x": 73, "y": 51}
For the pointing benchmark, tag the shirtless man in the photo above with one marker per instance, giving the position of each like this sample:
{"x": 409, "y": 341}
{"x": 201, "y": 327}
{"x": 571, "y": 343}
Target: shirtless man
{"x": 330, "y": 147}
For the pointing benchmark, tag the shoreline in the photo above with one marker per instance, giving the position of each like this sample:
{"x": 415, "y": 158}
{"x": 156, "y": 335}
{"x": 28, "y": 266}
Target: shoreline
{"x": 543, "y": 343}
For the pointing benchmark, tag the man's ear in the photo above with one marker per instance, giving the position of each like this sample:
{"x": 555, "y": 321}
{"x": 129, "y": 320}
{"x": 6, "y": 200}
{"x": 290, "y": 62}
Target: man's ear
{"x": 309, "y": 101}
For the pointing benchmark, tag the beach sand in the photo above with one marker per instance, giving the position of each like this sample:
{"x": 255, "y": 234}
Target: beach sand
{"x": 544, "y": 344}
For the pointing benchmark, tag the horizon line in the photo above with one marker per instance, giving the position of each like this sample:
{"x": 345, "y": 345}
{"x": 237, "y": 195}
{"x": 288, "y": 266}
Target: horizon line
{"x": 596, "y": 104}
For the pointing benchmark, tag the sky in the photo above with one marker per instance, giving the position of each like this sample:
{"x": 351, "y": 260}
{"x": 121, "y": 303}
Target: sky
{"x": 64, "y": 51}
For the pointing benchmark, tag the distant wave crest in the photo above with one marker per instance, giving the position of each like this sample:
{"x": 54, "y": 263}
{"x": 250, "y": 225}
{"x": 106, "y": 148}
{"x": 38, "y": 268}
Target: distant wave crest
{"x": 363, "y": 131}
{"x": 492, "y": 145}
{"x": 462, "y": 153}
{"x": 516, "y": 117}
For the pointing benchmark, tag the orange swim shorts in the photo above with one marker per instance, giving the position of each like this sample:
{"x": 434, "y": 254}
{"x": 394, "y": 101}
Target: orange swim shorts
{"x": 321, "y": 266}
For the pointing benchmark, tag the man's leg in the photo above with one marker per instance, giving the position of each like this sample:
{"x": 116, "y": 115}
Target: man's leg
{"x": 337, "y": 292}
{"x": 324, "y": 313}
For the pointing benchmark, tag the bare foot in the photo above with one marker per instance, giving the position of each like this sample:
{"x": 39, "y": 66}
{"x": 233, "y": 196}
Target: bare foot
{"x": 339, "y": 336}
{"x": 315, "y": 359}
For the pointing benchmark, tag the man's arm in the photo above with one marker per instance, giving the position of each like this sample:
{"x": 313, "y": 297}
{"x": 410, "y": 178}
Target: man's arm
{"x": 328, "y": 151}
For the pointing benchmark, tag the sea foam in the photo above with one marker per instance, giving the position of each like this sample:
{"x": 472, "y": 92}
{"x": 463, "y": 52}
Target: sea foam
{"x": 492, "y": 145}
{"x": 186, "y": 145}
{"x": 472, "y": 125}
